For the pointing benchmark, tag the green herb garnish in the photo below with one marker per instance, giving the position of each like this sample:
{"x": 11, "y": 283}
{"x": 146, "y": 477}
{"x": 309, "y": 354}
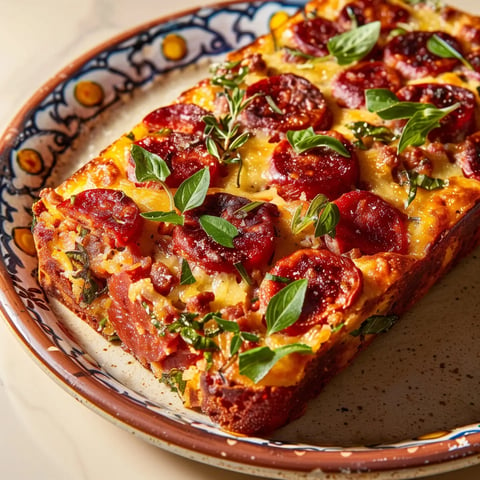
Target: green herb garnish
{"x": 304, "y": 140}
{"x": 238, "y": 336}
{"x": 321, "y": 213}
{"x": 355, "y": 44}
{"x": 186, "y": 276}
{"x": 375, "y": 324}
{"x": 364, "y": 130}
{"x": 223, "y": 134}
{"x": 190, "y": 328}
{"x": 91, "y": 288}
{"x": 438, "y": 46}
{"x": 148, "y": 166}
{"x": 249, "y": 207}
{"x": 415, "y": 180}
{"x": 174, "y": 380}
{"x": 168, "y": 217}
{"x": 277, "y": 278}
{"x": 242, "y": 271}
{"x": 219, "y": 229}
{"x": 192, "y": 192}
{"x": 285, "y": 307}
{"x": 422, "y": 117}
{"x": 257, "y": 362}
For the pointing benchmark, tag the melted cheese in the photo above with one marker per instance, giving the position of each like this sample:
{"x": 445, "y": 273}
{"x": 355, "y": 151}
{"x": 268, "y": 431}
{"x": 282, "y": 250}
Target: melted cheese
{"x": 431, "y": 214}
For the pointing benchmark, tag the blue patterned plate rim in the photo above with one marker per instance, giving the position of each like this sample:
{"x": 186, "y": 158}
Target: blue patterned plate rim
{"x": 44, "y": 129}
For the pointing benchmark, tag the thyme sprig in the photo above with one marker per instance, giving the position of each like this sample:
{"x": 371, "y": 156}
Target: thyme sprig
{"x": 224, "y": 136}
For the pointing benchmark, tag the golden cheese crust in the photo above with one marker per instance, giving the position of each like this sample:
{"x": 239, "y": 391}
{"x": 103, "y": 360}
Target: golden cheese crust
{"x": 246, "y": 241}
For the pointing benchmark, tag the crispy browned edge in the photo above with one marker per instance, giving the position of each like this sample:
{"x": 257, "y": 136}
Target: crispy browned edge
{"x": 261, "y": 409}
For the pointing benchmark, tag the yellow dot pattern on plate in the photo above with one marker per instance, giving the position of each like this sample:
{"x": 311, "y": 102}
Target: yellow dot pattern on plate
{"x": 174, "y": 47}
{"x": 278, "y": 19}
{"x": 88, "y": 93}
{"x": 433, "y": 435}
{"x": 30, "y": 161}
{"x": 23, "y": 238}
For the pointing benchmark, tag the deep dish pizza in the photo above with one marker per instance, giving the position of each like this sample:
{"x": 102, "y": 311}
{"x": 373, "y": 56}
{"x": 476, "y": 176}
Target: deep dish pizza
{"x": 248, "y": 240}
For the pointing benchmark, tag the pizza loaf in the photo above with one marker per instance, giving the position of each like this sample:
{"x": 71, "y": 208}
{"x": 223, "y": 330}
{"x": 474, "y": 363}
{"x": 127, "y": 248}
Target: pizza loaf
{"x": 246, "y": 241}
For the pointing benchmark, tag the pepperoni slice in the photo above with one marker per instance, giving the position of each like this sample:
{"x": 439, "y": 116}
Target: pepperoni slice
{"x": 334, "y": 283}
{"x": 350, "y": 85}
{"x": 253, "y": 246}
{"x": 474, "y": 59}
{"x": 318, "y": 170}
{"x": 311, "y": 36}
{"x": 457, "y": 124}
{"x": 408, "y": 53}
{"x": 298, "y": 104}
{"x": 105, "y": 210}
{"x": 179, "y": 117}
{"x": 366, "y": 11}
{"x": 134, "y": 325}
{"x": 370, "y": 224}
{"x": 468, "y": 156}
{"x": 185, "y": 154}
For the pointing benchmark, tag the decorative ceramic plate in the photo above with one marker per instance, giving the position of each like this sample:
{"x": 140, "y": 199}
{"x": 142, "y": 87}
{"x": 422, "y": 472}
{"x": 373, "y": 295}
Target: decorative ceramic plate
{"x": 409, "y": 406}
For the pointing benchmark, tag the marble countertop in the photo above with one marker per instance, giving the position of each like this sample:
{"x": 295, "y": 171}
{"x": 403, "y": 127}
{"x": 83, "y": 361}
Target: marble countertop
{"x": 46, "y": 434}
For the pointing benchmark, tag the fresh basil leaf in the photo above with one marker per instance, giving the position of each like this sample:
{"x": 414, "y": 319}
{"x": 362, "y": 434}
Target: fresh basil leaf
{"x": 304, "y": 140}
{"x": 219, "y": 229}
{"x": 300, "y": 54}
{"x": 416, "y": 179}
{"x": 257, "y": 362}
{"x": 285, "y": 307}
{"x": 249, "y": 337}
{"x": 375, "y": 324}
{"x": 353, "y": 45}
{"x": 387, "y": 106}
{"x": 328, "y": 221}
{"x": 228, "y": 325}
{"x": 186, "y": 276}
{"x": 438, "y": 46}
{"x": 377, "y": 133}
{"x": 148, "y": 166}
{"x": 403, "y": 110}
{"x": 423, "y": 117}
{"x": 421, "y": 124}
{"x": 192, "y": 192}
{"x": 167, "y": 217}
{"x": 235, "y": 344}
{"x": 377, "y": 99}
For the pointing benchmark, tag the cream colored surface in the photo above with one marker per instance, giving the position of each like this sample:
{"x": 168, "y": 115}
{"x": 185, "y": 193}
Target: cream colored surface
{"x": 45, "y": 433}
